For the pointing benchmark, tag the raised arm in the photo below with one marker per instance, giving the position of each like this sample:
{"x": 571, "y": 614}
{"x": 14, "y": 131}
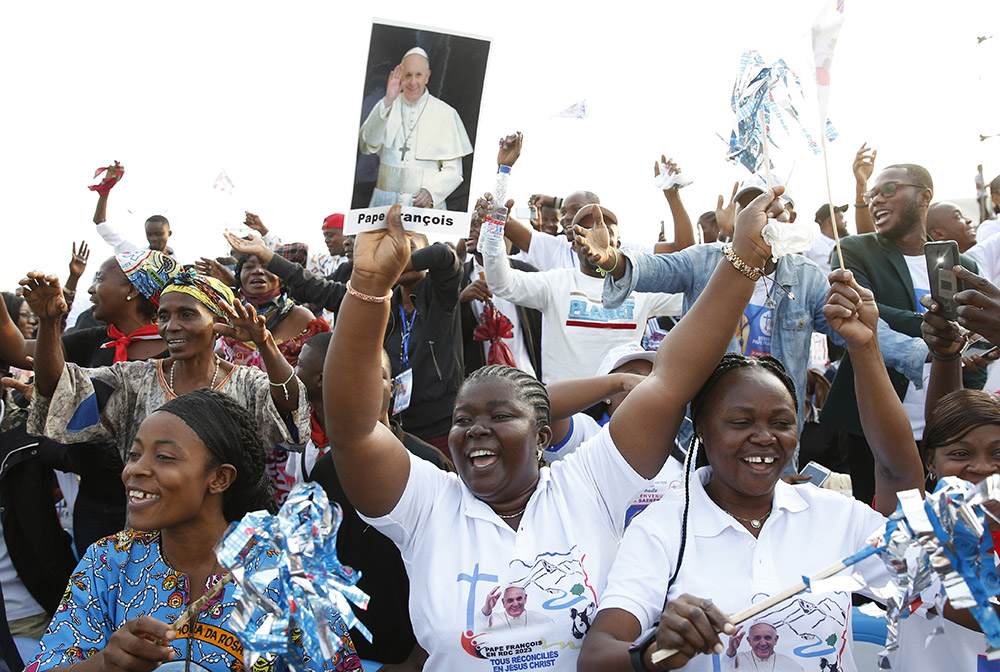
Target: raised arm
{"x": 683, "y": 230}
{"x": 851, "y": 311}
{"x": 372, "y": 464}
{"x": 44, "y": 295}
{"x": 567, "y": 397}
{"x": 645, "y": 424}
{"x": 864, "y": 164}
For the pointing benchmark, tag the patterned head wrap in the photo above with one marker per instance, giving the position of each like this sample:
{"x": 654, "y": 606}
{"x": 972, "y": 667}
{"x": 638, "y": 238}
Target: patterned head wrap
{"x": 149, "y": 271}
{"x": 209, "y": 291}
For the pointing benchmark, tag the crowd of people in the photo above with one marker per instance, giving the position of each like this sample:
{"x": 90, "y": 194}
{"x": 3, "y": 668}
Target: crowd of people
{"x": 568, "y": 456}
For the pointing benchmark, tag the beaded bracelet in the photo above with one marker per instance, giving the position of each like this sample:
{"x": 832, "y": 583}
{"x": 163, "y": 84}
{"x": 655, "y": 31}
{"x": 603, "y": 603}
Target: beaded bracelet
{"x": 603, "y": 272}
{"x": 367, "y": 297}
{"x": 284, "y": 385}
{"x": 742, "y": 266}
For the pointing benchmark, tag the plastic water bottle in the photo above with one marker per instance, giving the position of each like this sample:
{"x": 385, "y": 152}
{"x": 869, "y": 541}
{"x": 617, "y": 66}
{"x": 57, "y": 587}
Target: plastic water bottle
{"x": 491, "y": 232}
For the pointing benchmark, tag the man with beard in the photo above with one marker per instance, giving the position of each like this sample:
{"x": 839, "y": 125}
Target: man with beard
{"x": 578, "y": 331}
{"x": 891, "y": 263}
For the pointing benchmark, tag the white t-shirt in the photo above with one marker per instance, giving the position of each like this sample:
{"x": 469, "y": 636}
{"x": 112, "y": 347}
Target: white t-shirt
{"x": 516, "y": 342}
{"x": 986, "y": 253}
{"x": 723, "y": 562}
{"x": 987, "y": 229}
{"x": 578, "y": 330}
{"x": 457, "y": 551}
{"x": 582, "y": 428}
{"x": 547, "y": 252}
{"x": 821, "y": 250}
{"x": 913, "y": 402}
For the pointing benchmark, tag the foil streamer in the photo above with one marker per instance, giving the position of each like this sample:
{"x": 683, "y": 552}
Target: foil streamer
{"x": 774, "y": 87}
{"x": 941, "y": 537}
{"x": 289, "y": 580}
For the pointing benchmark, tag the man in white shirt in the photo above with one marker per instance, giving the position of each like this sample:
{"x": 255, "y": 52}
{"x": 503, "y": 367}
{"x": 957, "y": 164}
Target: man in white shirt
{"x": 823, "y": 245}
{"x": 420, "y": 140}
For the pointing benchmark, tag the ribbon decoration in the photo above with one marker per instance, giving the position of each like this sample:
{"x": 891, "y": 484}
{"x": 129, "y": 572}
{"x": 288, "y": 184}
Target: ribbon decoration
{"x": 289, "y": 579}
{"x": 494, "y": 326}
{"x": 763, "y": 93}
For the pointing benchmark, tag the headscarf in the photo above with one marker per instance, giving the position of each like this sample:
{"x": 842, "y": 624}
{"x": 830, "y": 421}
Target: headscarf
{"x": 149, "y": 271}
{"x": 275, "y": 306}
{"x": 209, "y": 291}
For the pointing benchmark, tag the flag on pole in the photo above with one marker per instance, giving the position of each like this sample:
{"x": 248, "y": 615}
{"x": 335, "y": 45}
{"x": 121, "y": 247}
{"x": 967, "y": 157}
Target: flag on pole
{"x": 825, "y": 31}
{"x": 223, "y": 183}
{"x": 577, "y": 110}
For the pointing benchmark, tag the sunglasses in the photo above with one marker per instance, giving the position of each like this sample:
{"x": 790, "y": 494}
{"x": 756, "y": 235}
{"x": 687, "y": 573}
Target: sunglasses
{"x": 887, "y": 190}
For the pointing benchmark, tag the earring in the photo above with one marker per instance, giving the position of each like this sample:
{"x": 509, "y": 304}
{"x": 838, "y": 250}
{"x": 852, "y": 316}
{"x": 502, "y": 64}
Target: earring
{"x": 128, "y": 298}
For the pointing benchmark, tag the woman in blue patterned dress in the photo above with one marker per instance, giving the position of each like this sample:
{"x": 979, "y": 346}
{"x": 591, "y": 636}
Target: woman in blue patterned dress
{"x": 196, "y": 465}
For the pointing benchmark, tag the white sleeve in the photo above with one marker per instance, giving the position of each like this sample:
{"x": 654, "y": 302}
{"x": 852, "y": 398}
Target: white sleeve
{"x": 987, "y": 255}
{"x": 445, "y": 181}
{"x": 670, "y": 305}
{"x": 272, "y": 240}
{"x": 582, "y": 429}
{"x": 423, "y": 487}
{"x": 520, "y": 288}
{"x": 637, "y": 582}
{"x": 114, "y": 239}
{"x": 373, "y": 130}
{"x": 545, "y": 251}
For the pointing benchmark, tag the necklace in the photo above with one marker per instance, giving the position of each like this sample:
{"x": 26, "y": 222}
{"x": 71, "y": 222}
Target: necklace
{"x": 755, "y": 523}
{"x": 173, "y": 367}
{"x": 508, "y": 516}
{"x": 406, "y": 140}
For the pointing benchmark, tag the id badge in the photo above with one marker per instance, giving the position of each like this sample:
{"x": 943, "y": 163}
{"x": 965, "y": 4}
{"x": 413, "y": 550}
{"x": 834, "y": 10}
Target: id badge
{"x": 402, "y": 388}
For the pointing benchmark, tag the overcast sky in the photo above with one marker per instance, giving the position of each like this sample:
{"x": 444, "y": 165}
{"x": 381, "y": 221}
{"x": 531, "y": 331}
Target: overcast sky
{"x": 271, "y": 92}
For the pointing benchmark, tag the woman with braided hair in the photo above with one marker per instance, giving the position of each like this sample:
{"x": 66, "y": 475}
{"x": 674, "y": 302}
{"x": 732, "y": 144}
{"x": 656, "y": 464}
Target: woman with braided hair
{"x": 507, "y": 559}
{"x": 195, "y": 466}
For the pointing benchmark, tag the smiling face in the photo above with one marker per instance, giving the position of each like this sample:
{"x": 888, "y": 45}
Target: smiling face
{"x": 110, "y": 292}
{"x": 972, "y": 457}
{"x": 945, "y": 221}
{"x": 26, "y": 321}
{"x": 748, "y": 424}
{"x": 898, "y": 215}
{"x": 549, "y": 220}
{"x": 514, "y": 600}
{"x": 495, "y": 439}
{"x": 255, "y": 279}
{"x": 762, "y": 638}
{"x": 171, "y": 479}
{"x": 186, "y": 325}
{"x": 416, "y": 74}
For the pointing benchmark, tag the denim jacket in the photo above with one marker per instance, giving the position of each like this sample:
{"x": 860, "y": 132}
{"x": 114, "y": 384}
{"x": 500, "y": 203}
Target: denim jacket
{"x": 794, "y": 320}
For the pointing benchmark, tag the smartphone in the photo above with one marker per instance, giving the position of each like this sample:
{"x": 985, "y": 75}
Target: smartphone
{"x": 531, "y": 212}
{"x": 818, "y": 472}
{"x": 942, "y": 257}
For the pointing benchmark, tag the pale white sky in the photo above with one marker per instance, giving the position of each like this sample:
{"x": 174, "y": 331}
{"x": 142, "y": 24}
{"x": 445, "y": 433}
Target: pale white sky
{"x": 272, "y": 91}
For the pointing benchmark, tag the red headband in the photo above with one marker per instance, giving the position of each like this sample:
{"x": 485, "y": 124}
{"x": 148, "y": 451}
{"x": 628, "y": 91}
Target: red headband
{"x": 334, "y": 221}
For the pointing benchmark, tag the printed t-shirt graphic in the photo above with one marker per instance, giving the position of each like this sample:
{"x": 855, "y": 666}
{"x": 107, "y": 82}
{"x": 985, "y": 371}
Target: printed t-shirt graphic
{"x": 587, "y": 312}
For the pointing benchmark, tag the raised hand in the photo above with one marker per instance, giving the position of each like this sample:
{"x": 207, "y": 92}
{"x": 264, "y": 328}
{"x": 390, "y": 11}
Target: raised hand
{"x": 510, "y": 149}
{"x": 864, "y": 164}
{"x": 212, "y": 268}
{"x": 943, "y": 337}
{"x": 254, "y": 222}
{"x": 748, "y": 244}
{"x": 726, "y": 216}
{"x": 734, "y": 641}
{"x": 44, "y": 295}
{"x": 381, "y": 255}
{"x": 394, "y": 86}
{"x": 134, "y": 647}
{"x": 78, "y": 262}
{"x": 979, "y": 305}
{"x": 245, "y": 324}
{"x": 850, "y": 309}
{"x": 491, "y": 601}
{"x": 254, "y": 246}
{"x": 671, "y": 168}
{"x": 595, "y": 242}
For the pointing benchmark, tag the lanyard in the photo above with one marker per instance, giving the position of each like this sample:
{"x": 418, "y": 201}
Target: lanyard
{"x": 407, "y": 328}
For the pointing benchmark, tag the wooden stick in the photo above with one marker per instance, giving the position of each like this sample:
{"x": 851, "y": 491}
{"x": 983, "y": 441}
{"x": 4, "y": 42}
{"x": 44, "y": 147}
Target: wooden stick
{"x": 764, "y": 143}
{"x": 750, "y": 612}
{"x": 829, "y": 196}
{"x": 196, "y": 606}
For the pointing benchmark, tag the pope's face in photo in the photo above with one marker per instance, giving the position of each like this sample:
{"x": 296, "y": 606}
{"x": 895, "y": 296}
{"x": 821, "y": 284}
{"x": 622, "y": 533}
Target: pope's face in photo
{"x": 416, "y": 74}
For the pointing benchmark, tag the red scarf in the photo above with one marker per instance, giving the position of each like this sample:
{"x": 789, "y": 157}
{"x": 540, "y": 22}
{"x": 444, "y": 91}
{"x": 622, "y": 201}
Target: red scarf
{"x": 120, "y": 341}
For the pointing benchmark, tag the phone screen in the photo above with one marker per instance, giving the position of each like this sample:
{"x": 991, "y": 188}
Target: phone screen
{"x": 942, "y": 257}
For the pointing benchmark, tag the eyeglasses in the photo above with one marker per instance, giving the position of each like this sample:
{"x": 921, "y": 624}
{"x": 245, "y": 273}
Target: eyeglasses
{"x": 887, "y": 190}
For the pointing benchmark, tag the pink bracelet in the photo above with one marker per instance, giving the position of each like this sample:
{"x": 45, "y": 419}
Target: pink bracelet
{"x": 367, "y": 297}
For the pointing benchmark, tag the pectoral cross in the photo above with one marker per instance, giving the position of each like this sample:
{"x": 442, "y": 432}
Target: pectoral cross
{"x": 402, "y": 152}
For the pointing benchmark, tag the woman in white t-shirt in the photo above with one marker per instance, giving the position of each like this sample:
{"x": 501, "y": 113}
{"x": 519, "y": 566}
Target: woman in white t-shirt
{"x": 740, "y": 534}
{"x": 507, "y": 560}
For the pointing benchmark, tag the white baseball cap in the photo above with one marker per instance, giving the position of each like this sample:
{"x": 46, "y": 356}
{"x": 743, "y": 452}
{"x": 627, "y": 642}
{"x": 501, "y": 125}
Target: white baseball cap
{"x": 621, "y": 354}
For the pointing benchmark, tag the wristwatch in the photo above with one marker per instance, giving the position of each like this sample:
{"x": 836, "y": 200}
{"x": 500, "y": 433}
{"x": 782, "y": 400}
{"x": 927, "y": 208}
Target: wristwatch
{"x": 639, "y": 646}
